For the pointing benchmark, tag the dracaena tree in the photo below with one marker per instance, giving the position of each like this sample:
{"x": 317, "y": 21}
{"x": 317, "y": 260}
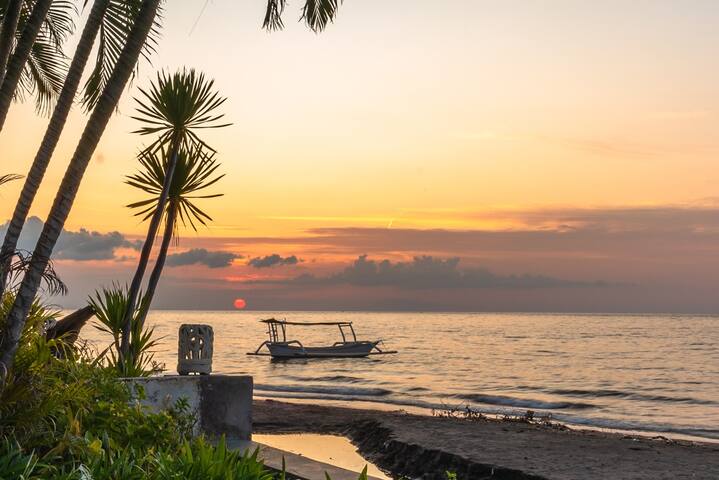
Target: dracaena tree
{"x": 112, "y": 21}
{"x": 195, "y": 171}
{"x": 173, "y": 108}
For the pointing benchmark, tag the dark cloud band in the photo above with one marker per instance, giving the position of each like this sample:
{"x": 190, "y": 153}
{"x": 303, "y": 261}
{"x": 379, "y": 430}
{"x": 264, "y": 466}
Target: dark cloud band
{"x": 202, "y": 256}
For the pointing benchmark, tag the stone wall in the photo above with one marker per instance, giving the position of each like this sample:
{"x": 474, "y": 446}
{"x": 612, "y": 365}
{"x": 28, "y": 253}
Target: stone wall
{"x": 222, "y": 403}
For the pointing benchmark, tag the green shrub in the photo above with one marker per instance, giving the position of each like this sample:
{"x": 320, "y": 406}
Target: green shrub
{"x": 110, "y": 305}
{"x": 199, "y": 460}
{"x": 73, "y": 418}
{"x": 15, "y": 464}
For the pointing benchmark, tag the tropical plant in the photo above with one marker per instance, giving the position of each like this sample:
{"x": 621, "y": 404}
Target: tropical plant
{"x": 116, "y": 26}
{"x": 9, "y": 178}
{"x": 37, "y": 64}
{"x": 200, "y": 460}
{"x": 112, "y": 20}
{"x": 21, "y": 263}
{"x": 317, "y": 14}
{"x": 14, "y": 463}
{"x": 109, "y": 305}
{"x": 172, "y": 108}
{"x": 10, "y": 18}
{"x": 73, "y": 177}
{"x": 194, "y": 172}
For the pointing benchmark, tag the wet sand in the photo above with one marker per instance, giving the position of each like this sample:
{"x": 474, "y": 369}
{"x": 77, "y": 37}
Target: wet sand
{"x": 425, "y": 447}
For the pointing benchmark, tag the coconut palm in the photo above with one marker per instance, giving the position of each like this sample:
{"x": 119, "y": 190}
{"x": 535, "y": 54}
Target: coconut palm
{"x": 112, "y": 20}
{"x": 43, "y": 32}
{"x": 316, "y": 14}
{"x": 73, "y": 176}
{"x": 172, "y": 108}
{"x": 10, "y": 18}
{"x": 194, "y": 172}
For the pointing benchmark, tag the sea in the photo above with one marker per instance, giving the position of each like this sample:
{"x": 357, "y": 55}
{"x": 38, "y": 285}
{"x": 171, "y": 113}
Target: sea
{"x": 651, "y": 374}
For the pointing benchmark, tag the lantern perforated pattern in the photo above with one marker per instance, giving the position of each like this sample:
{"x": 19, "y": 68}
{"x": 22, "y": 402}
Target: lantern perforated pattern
{"x": 194, "y": 349}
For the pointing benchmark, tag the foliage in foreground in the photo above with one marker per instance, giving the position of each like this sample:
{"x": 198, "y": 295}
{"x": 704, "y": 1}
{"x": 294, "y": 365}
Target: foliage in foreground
{"x": 110, "y": 305}
{"x": 73, "y": 418}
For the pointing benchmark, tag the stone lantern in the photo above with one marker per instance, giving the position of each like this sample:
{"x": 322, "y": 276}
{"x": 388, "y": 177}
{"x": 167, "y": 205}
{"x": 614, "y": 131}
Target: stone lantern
{"x": 194, "y": 349}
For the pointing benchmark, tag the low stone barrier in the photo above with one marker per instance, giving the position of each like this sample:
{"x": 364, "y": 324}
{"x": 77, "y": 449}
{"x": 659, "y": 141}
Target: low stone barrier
{"x": 222, "y": 403}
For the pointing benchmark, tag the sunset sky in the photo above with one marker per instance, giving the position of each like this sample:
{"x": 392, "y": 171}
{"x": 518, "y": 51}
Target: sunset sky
{"x": 424, "y": 155}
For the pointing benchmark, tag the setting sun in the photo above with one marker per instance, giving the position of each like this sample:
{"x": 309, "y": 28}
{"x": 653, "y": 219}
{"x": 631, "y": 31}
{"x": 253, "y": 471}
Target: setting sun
{"x": 240, "y": 303}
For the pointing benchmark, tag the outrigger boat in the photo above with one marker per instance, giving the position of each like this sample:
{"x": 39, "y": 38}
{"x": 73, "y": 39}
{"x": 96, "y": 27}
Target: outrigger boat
{"x": 349, "y": 347}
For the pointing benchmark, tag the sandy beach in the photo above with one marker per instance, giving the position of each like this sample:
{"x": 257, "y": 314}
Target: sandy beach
{"x": 425, "y": 447}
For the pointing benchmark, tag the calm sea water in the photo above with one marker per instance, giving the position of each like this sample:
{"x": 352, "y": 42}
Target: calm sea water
{"x": 650, "y": 373}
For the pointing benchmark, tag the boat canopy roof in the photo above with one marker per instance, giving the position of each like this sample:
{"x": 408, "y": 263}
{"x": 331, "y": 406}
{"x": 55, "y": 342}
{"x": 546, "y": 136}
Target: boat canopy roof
{"x": 304, "y": 324}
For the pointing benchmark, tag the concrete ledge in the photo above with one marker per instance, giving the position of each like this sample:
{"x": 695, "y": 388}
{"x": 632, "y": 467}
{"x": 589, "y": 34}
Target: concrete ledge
{"x": 222, "y": 403}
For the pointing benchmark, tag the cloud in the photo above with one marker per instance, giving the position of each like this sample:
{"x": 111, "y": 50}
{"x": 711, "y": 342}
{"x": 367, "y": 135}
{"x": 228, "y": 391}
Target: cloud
{"x": 202, "y": 256}
{"x": 81, "y": 245}
{"x": 427, "y": 272}
{"x": 272, "y": 260}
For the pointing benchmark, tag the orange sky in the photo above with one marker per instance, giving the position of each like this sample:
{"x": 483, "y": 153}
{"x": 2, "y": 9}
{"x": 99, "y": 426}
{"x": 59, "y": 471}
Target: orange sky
{"x": 458, "y": 115}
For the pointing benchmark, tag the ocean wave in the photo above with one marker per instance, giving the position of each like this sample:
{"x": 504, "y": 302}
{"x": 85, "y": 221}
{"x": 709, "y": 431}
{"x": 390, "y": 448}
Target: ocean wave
{"x": 522, "y": 402}
{"x": 636, "y": 426}
{"x": 327, "y": 378}
{"x": 399, "y": 402}
{"x": 598, "y": 393}
{"x": 326, "y": 390}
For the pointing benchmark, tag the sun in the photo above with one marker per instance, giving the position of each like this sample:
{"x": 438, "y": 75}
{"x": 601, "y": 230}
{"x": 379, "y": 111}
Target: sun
{"x": 240, "y": 303}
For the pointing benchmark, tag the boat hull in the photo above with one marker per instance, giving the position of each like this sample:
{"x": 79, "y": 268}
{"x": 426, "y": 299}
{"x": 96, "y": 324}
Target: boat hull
{"x": 342, "y": 350}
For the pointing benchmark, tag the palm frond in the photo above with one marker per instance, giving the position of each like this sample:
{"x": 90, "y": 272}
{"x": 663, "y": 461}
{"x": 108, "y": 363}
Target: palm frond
{"x": 53, "y": 284}
{"x": 273, "y": 15}
{"x": 44, "y": 74}
{"x": 194, "y": 172}
{"x": 9, "y": 178}
{"x": 60, "y": 22}
{"x": 316, "y": 14}
{"x": 177, "y": 104}
{"x": 116, "y": 26}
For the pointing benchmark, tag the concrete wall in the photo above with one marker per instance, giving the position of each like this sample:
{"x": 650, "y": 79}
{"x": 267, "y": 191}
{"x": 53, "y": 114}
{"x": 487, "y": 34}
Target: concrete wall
{"x": 222, "y": 403}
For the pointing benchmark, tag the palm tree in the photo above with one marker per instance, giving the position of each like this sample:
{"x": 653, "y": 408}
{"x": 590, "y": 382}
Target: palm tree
{"x": 194, "y": 172}
{"x": 174, "y": 107}
{"x": 317, "y": 14}
{"x": 11, "y": 16}
{"x": 17, "y": 62}
{"x": 112, "y": 19}
{"x": 73, "y": 176}
{"x": 43, "y": 73}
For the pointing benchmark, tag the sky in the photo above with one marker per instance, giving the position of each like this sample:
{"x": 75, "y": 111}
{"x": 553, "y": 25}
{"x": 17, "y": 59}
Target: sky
{"x": 460, "y": 155}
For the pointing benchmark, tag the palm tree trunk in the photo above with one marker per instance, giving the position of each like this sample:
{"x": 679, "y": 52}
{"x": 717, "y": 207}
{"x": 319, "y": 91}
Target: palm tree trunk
{"x": 147, "y": 247}
{"x": 52, "y": 136}
{"x": 161, "y": 256}
{"x": 7, "y": 35}
{"x": 19, "y": 57}
{"x": 94, "y": 129}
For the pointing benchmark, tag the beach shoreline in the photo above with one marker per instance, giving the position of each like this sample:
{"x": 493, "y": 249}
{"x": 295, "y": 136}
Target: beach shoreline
{"x": 413, "y": 445}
